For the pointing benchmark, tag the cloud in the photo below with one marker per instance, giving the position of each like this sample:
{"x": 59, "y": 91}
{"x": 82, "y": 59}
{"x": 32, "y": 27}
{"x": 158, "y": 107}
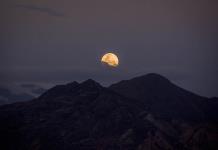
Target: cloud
{"x": 42, "y": 9}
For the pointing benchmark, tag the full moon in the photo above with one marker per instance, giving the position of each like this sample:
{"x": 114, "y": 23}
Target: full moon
{"x": 110, "y": 59}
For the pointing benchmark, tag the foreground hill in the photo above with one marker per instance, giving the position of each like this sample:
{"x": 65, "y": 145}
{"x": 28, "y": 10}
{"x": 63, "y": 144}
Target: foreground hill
{"x": 167, "y": 100}
{"x": 144, "y": 113}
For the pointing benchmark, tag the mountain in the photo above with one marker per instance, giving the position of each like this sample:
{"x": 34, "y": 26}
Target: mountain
{"x": 6, "y": 96}
{"x": 165, "y": 99}
{"x": 33, "y": 89}
{"x": 87, "y": 116}
{"x": 17, "y": 93}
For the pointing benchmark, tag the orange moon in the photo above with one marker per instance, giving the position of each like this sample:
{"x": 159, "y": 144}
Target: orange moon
{"x": 110, "y": 59}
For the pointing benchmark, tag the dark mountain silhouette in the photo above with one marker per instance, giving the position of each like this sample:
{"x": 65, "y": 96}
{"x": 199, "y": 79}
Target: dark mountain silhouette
{"x": 164, "y": 98}
{"x": 144, "y": 113}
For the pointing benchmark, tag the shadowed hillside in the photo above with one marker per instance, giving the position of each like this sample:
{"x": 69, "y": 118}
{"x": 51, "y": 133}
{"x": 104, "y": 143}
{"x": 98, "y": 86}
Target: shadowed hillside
{"x": 144, "y": 113}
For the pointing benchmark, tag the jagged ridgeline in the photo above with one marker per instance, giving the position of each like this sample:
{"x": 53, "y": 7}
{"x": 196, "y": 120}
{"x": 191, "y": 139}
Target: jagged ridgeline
{"x": 144, "y": 113}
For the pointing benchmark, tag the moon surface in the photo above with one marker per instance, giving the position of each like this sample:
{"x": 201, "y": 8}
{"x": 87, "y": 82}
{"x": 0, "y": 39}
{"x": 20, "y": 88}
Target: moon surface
{"x": 110, "y": 59}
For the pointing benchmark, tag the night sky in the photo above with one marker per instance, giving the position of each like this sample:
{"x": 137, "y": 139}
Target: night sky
{"x": 59, "y": 41}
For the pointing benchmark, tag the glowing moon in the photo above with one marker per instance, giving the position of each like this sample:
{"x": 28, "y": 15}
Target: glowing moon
{"x": 110, "y": 59}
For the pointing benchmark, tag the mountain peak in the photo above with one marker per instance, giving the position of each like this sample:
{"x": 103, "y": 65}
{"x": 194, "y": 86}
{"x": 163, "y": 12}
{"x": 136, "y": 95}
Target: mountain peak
{"x": 70, "y": 88}
{"x": 72, "y": 84}
{"x": 152, "y": 77}
{"x": 90, "y": 83}
{"x": 157, "y": 93}
{"x": 149, "y": 80}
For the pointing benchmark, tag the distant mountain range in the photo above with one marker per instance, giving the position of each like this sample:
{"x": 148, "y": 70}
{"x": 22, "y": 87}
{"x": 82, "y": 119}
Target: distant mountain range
{"x": 18, "y": 93}
{"x": 144, "y": 113}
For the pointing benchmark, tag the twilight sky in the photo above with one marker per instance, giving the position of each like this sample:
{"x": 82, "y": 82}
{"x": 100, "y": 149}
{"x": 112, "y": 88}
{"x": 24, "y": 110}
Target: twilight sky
{"x": 59, "y": 41}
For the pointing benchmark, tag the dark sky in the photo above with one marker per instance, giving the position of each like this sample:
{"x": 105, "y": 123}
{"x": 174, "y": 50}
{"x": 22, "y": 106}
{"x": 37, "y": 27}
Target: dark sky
{"x": 55, "y": 41}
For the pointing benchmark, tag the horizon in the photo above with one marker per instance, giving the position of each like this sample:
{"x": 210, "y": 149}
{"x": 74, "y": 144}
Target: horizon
{"x": 106, "y": 85}
{"x": 51, "y": 42}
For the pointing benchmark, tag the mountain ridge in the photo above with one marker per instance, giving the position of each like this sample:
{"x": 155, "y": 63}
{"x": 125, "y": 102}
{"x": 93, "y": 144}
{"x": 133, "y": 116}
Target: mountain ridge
{"x": 88, "y": 116}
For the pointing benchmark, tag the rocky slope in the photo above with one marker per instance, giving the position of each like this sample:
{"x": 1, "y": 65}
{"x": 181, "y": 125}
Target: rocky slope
{"x": 145, "y": 113}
